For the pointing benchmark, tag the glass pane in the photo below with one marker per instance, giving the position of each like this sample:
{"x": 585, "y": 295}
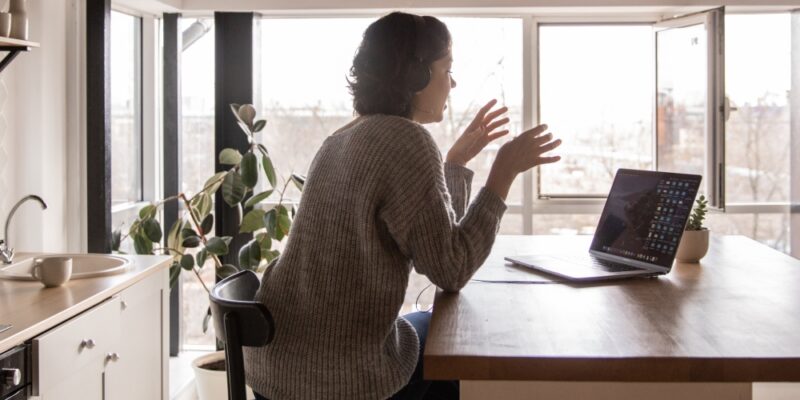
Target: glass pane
{"x": 770, "y": 229}
{"x": 758, "y": 78}
{"x": 126, "y": 137}
{"x": 681, "y": 99}
{"x": 565, "y": 224}
{"x": 595, "y": 93}
{"x": 488, "y": 64}
{"x": 197, "y": 162}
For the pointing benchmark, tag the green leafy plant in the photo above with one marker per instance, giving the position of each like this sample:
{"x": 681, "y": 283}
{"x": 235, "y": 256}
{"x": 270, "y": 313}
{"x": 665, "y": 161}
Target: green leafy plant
{"x": 698, "y": 215}
{"x": 188, "y": 240}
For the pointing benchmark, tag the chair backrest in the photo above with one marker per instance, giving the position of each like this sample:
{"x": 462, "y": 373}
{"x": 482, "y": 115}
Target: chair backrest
{"x": 239, "y": 321}
{"x": 234, "y": 295}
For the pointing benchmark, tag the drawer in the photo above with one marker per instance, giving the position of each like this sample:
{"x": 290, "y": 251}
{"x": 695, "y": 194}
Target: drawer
{"x": 84, "y": 339}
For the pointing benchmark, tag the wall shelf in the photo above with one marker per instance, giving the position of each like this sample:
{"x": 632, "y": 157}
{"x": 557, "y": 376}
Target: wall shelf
{"x": 13, "y": 47}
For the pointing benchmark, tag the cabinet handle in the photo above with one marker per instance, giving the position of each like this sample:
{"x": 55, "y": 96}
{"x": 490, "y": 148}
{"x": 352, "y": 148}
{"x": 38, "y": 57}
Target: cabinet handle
{"x": 88, "y": 343}
{"x": 112, "y": 357}
{"x": 123, "y": 304}
{"x": 11, "y": 377}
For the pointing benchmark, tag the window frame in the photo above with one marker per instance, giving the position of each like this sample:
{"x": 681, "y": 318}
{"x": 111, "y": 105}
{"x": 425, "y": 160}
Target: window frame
{"x": 147, "y": 107}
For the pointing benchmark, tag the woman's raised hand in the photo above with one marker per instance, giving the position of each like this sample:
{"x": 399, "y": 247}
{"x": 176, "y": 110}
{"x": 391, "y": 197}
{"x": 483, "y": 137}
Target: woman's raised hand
{"x": 519, "y": 155}
{"x": 480, "y": 132}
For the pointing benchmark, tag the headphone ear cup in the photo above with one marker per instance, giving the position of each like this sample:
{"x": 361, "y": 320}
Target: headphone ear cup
{"x": 418, "y": 77}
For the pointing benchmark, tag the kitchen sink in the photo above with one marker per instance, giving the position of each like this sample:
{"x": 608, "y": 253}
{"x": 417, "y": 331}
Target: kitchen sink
{"x": 83, "y": 265}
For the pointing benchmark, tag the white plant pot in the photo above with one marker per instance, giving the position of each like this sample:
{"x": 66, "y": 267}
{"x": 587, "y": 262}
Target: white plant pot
{"x": 212, "y": 385}
{"x": 693, "y": 246}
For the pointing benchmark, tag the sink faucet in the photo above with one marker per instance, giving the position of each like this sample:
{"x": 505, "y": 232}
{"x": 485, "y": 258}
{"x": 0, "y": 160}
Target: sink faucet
{"x": 6, "y": 252}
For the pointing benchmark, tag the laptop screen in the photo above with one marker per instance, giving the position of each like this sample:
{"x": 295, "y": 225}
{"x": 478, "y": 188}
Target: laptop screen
{"x": 645, "y": 215}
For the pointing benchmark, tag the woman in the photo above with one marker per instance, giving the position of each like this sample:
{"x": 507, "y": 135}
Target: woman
{"x": 378, "y": 201}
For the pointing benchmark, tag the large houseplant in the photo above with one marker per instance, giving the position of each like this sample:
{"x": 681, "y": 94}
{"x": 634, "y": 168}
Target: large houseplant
{"x": 188, "y": 240}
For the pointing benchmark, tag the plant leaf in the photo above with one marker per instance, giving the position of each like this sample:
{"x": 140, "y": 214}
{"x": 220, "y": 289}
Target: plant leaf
{"x": 259, "y": 125}
{"x": 299, "y": 181}
{"x": 142, "y": 245}
{"x": 206, "y": 319}
{"x": 217, "y": 246}
{"x": 247, "y": 113}
{"x": 233, "y": 189}
{"x": 191, "y": 241}
{"x": 249, "y": 169}
{"x": 147, "y": 212}
{"x": 271, "y": 222}
{"x": 201, "y": 258}
{"x": 208, "y": 224}
{"x": 229, "y": 156}
{"x": 226, "y": 271}
{"x": 271, "y": 255}
{"x": 250, "y": 255}
{"x": 174, "y": 238}
{"x": 187, "y": 262}
{"x": 258, "y": 198}
{"x": 284, "y": 223}
{"x": 269, "y": 169}
{"x": 213, "y": 183}
{"x": 252, "y": 221}
{"x": 152, "y": 229}
{"x": 201, "y": 203}
{"x": 264, "y": 243}
{"x": 188, "y": 232}
{"x": 116, "y": 240}
{"x": 174, "y": 273}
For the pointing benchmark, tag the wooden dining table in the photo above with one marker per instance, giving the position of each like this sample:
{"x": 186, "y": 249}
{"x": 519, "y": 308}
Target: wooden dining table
{"x": 705, "y": 330}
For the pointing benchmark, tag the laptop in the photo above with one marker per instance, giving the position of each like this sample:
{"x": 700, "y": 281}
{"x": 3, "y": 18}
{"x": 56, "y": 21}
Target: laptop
{"x": 638, "y": 232}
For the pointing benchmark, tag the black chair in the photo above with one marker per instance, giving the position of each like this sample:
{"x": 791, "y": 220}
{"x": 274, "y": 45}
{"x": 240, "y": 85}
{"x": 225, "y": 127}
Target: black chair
{"x": 239, "y": 321}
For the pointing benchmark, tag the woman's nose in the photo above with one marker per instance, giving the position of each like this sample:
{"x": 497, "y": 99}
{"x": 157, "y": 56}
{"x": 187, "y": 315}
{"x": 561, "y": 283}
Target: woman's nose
{"x": 452, "y": 83}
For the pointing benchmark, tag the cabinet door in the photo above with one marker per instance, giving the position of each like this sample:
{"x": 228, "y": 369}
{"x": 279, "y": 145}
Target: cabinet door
{"x": 82, "y": 384}
{"x": 68, "y": 360}
{"x": 139, "y": 370}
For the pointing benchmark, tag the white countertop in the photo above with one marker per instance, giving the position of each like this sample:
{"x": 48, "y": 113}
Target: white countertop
{"x": 32, "y": 309}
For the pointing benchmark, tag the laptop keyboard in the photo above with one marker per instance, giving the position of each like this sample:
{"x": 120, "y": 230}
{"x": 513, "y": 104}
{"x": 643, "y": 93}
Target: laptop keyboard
{"x": 608, "y": 266}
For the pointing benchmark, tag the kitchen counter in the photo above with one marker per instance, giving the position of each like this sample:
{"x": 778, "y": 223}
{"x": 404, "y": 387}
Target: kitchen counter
{"x": 32, "y": 309}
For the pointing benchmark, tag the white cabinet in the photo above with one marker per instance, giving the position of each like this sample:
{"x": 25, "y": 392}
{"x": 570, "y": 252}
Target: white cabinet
{"x": 115, "y": 350}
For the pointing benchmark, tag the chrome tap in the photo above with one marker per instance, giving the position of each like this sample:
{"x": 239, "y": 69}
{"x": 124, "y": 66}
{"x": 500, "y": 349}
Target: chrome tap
{"x": 6, "y": 252}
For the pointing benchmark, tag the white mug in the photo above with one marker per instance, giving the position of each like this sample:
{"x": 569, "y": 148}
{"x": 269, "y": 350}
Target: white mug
{"x": 5, "y": 24}
{"x": 52, "y": 271}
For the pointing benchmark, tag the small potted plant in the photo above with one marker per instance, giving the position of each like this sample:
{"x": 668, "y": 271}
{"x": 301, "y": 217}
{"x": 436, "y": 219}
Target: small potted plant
{"x": 694, "y": 243}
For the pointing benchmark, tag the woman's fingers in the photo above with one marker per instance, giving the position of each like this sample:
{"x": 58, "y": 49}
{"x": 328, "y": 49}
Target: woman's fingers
{"x": 494, "y": 114}
{"x": 550, "y": 146}
{"x": 496, "y": 135}
{"x": 494, "y": 125}
{"x": 549, "y": 160}
{"x": 478, "y": 120}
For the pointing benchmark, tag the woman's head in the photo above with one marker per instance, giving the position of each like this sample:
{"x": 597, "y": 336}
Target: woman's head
{"x": 388, "y": 72}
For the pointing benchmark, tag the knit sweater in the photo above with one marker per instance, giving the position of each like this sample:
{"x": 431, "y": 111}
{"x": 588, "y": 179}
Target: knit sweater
{"x": 378, "y": 201}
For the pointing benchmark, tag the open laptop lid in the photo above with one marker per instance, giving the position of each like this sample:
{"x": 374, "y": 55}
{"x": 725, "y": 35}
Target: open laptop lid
{"x": 644, "y": 217}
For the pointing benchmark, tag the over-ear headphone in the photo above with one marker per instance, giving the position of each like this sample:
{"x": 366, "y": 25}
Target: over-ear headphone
{"x": 419, "y": 74}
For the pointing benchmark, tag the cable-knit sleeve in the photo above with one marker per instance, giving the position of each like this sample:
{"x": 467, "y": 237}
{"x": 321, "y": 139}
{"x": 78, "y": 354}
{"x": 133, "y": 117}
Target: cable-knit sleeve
{"x": 459, "y": 184}
{"x": 419, "y": 211}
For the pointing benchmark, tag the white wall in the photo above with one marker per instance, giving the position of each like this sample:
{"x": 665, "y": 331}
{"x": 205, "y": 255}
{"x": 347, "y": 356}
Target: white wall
{"x": 35, "y": 141}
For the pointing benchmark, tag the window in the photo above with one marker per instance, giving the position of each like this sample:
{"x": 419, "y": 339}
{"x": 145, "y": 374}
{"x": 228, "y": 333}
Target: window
{"x": 197, "y": 160}
{"x": 595, "y": 93}
{"x": 758, "y": 79}
{"x": 126, "y": 110}
{"x": 126, "y": 119}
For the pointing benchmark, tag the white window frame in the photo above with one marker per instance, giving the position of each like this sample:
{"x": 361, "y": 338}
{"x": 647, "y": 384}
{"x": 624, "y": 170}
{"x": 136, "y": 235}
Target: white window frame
{"x": 149, "y": 95}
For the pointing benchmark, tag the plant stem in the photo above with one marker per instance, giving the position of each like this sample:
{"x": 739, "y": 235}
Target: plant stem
{"x": 217, "y": 262}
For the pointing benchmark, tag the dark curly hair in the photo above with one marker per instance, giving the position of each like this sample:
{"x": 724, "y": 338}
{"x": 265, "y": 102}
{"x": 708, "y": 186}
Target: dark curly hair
{"x": 378, "y": 80}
